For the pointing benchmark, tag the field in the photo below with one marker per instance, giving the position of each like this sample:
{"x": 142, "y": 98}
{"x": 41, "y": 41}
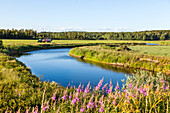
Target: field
{"x": 20, "y": 91}
{"x": 27, "y": 42}
{"x": 152, "y": 50}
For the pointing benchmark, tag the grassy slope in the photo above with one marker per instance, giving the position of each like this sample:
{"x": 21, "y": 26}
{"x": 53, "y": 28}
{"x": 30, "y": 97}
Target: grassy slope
{"x": 125, "y": 58}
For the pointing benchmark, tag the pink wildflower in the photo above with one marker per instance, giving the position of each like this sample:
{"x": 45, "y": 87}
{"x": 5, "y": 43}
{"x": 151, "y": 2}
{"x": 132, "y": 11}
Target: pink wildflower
{"x": 82, "y": 109}
{"x": 45, "y": 108}
{"x": 73, "y": 102}
{"x": 64, "y": 97}
{"x": 101, "y": 110}
{"x": 130, "y": 86}
{"x": 104, "y": 87}
{"x": 110, "y": 85}
{"x": 70, "y": 97}
{"x": 163, "y": 81}
{"x": 117, "y": 87}
{"x": 53, "y": 98}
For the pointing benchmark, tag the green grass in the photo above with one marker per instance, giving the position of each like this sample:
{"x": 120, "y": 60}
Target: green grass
{"x": 21, "y": 91}
{"x": 126, "y": 58}
{"x": 28, "y": 42}
{"x": 152, "y": 50}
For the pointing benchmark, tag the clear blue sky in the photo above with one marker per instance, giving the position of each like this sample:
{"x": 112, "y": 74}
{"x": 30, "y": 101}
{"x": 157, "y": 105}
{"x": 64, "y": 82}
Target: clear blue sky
{"x": 85, "y": 15}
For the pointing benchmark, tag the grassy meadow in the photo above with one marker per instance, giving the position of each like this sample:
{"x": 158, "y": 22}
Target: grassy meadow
{"x": 162, "y": 51}
{"x": 154, "y": 58}
{"x": 28, "y": 42}
{"x": 21, "y": 91}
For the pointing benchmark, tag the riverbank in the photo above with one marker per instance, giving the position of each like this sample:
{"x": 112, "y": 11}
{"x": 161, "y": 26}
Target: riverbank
{"x": 19, "y": 49}
{"x": 123, "y": 58}
{"x": 19, "y": 88}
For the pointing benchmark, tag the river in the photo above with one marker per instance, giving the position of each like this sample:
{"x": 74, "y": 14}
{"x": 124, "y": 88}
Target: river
{"x": 56, "y": 65}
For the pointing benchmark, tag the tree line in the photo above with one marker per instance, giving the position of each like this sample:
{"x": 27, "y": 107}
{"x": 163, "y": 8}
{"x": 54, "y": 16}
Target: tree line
{"x": 72, "y": 35}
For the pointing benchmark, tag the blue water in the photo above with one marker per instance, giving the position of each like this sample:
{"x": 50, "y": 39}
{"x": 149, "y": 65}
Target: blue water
{"x": 56, "y": 65}
{"x": 151, "y": 44}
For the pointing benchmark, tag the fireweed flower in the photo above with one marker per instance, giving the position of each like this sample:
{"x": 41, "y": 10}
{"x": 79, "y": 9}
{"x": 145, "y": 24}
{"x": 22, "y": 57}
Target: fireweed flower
{"x": 141, "y": 90}
{"x": 163, "y": 87}
{"x": 106, "y": 91}
{"x": 167, "y": 87}
{"x": 117, "y": 87}
{"x": 78, "y": 89}
{"x": 163, "y": 80}
{"x": 70, "y": 96}
{"x": 73, "y": 102}
{"x": 82, "y": 90}
{"x": 110, "y": 89}
{"x": 87, "y": 88}
{"x": 77, "y": 99}
{"x": 45, "y": 108}
{"x": 110, "y": 85}
{"x": 103, "y": 88}
{"x": 64, "y": 97}
{"x": 130, "y": 86}
{"x": 137, "y": 93}
{"x": 97, "y": 88}
{"x": 136, "y": 86}
{"x": 115, "y": 102}
{"x": 157, "y": 89}
{"x": 101, "y": 110}
{"x": 101, "y": 100}
{"x": 88, "y": 106}
{"x": 125, "y": 90}
{"x": 91, "y": 103}
{"x": 16, "y": 90}
{"x": 54, "y": 96}
{"x": 20, "y": 94}
{"x": 82, "y": 109}
{"x": 99, "y": 85}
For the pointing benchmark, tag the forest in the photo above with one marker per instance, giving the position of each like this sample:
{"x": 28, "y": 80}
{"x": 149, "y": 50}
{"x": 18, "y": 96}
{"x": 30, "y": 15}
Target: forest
{"x": 73, "y": 35}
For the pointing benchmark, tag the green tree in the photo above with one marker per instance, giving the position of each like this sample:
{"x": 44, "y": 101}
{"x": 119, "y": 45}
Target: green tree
{"x": 162, "y": 37}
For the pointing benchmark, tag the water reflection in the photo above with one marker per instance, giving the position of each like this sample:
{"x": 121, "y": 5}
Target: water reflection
{"x": 110, "y": 67}
{"x": 56, "y": 65}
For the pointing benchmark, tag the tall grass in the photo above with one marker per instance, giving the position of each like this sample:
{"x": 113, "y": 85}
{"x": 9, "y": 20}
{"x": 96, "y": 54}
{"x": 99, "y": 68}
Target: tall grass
{"x": 125, "y": 58}
{"x": 149, "y": 94}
